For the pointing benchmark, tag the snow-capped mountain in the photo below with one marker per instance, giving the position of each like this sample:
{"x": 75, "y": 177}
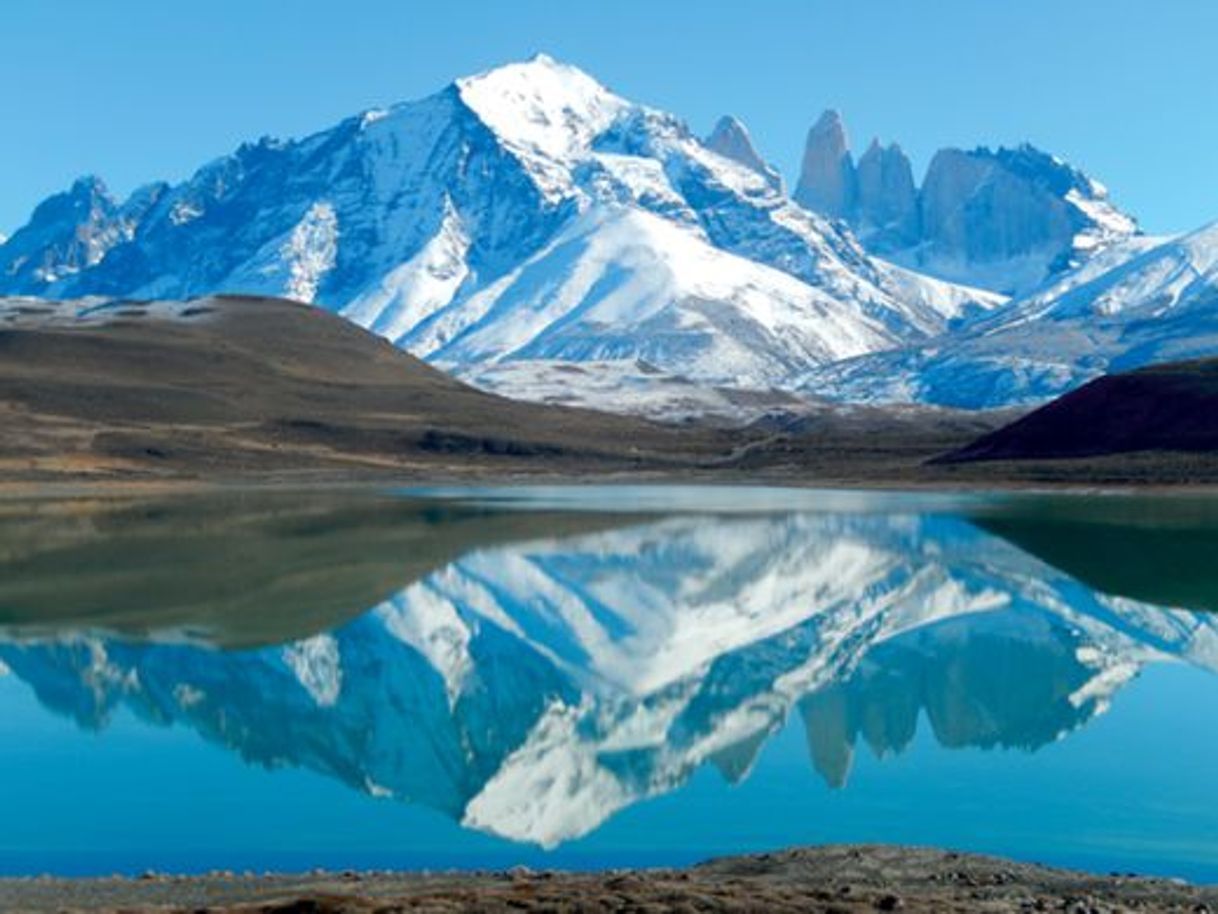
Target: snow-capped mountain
{"x": 531, "y": 231}
{"x": 524, "y": 213}
{"x": 1005, "y": 219}
{"x": 1137, "y": 302}
{"x": 532, "y": 690}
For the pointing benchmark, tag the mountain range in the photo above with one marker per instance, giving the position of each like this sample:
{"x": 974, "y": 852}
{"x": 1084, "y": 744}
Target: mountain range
{"x": 534, "y": 233}
{"x": 1006, "y": 219}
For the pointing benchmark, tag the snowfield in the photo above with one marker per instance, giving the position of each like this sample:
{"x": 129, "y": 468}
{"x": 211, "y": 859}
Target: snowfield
{"x": 1144, "y": 301}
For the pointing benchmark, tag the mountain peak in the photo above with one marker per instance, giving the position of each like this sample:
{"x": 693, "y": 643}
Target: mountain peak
{"x": 90, "y": 183}
{"x": 830, "y": 132}
{"x": 67, "y": 232}
{"x": 886, "y": 211}
{"x": 541, "y": 105}
{"x": 826, "y": 179}
{"x": 828, "y": 118}
{"x": 1003, "y": 219}
{"x": 541, "y": 72}
{"x": 731, "y": 139}
{"x": 729, "y": 124}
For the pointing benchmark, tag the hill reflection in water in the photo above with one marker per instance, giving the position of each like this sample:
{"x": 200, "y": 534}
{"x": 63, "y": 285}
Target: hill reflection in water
{"x": 531, "y": 672}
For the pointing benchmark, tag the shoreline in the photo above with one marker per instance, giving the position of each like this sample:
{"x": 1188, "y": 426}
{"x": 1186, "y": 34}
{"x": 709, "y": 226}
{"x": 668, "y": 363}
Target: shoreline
{"x": 832, "y": 878}
{"x": 94, "y": 488}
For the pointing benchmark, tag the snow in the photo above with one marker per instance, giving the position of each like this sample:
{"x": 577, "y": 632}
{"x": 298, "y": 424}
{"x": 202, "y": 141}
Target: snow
{"x": 611, "y": 600}
{"x": 944, "y": 300}
{"x": 613, "y": 177}
{"x": 25, "y": 311}
{"x": 1107, "y": 223}
{"x": 630, "y": 385}
{"x": 187, "y": 696}
{"x": 183, "y": 212}
{"x": 1108, "y": 680}
{"x": 316, "y": 663}
{"x": 310, "y": 252}
{"x": 622, "y": 283}
{"x": 548, "y": 790}
{"x": 410, "y": 294}
{"x": 372, "y": 115}
{"x": 543, "y": 111}
{"x": 1140, "y": 301}
{"x": 1020, "y": 272}
{"x": 430, "y": 624}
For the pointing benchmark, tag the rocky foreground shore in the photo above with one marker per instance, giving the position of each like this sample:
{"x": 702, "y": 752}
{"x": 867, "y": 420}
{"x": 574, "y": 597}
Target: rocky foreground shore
{"x": 826, "y": 879}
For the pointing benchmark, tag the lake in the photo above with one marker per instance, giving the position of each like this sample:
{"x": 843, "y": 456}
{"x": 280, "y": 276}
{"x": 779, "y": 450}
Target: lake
{"x": 605, "y": 676}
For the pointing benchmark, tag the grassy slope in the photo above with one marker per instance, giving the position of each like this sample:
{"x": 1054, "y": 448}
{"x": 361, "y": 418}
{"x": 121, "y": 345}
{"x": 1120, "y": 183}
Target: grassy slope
{"x": 1162, "y": 408}
{"x": 262, "y": 388}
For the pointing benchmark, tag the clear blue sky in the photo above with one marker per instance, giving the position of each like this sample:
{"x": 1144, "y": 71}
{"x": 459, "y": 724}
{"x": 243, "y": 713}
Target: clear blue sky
{"x": 140, "y": 89}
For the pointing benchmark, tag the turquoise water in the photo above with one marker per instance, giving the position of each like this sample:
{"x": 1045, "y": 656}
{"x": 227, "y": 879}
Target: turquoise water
{"x": 604, "y": 677}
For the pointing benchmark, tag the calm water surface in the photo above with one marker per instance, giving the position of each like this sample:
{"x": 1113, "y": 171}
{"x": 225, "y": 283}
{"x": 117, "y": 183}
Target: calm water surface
{"x": 603, "y": 676}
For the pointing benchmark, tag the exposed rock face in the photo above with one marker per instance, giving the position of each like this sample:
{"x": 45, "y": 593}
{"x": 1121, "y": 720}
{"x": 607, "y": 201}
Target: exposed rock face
{"x": 70, "y": 232}
{"x": 887, "y": 211}
{"x": 1021, "y": 208}
{"x": 731, "y": 139}
{"x": 827, "y": 181}
{"x": 1005, "y": 219}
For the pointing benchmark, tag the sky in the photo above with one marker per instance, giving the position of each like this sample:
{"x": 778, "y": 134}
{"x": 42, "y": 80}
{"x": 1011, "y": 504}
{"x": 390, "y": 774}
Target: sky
{"x": 137, "y": 90}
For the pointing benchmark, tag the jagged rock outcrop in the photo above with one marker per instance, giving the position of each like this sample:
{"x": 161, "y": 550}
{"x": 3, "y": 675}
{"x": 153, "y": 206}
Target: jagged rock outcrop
{"x": 886, "y": 215}
{"x": 827, "y": 181}
{"x": 1004, "y": 220}
{"x": 731, "y": 139}
{"x": 1017, "y": 215}
{"x": 70, "y": 232}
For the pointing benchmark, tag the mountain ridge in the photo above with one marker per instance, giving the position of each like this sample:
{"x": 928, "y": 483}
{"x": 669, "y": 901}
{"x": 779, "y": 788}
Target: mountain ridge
{"x": 1005, "y": 219}
{"x": 531, "y": 232}
{"x": 1143, "y": 301}
{"x": 411, "y": 219}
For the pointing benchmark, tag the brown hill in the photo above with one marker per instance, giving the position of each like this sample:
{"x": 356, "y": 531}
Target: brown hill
{"x": 239, "y": 388}
{"x": 1165, "y": 408}
{"x": 229, "y": 386}
{"x": 295, "y": 563}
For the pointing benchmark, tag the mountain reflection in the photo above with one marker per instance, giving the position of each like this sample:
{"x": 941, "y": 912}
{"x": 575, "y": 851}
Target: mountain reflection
{"x": 557, "y": 667}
